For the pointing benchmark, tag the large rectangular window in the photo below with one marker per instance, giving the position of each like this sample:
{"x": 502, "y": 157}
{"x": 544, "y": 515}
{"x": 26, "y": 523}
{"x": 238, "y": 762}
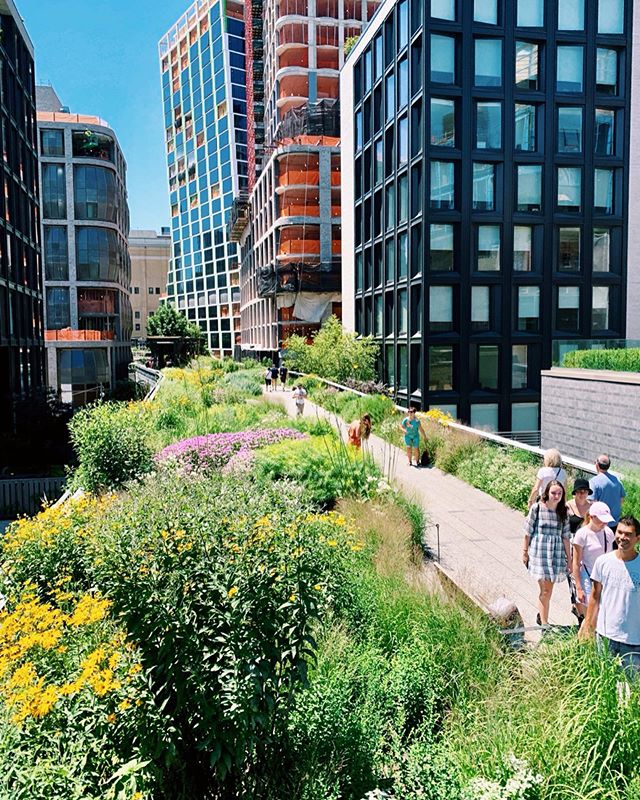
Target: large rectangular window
{"x": 51, "y": 142}
{"x": 600, "y": 309}
{"x": 441, "y": 368}
{"x": 484, "y": 416}
{"x": 56, "y": 256}
{"x": 519, "y": 366}
{"x": 606, "y": 71}
{"x": 527, "y": 65}
{"x": 569, "y": 188}
{"x": 441, "y": 249}
{"x": 54, "y": 191}
{"x": 403, "y": 140}
{"x": 568, "y": 310}
{"x": 488, "y": 248}
{"x": 488, "y": 361}
{"x": 603, "y": 191}
{"x": 570, "y": 129}
{"x": 390, "y": 260}
{"x": 403, "y": 82}
{"x": 601, "y": 249}
{"x": 403, "y": 255}
{"x": 443, "y": 59}
{"x": 528, "y": 308}
{"x": 485, "y": 11}
{"x": 480, "y": 308}
{"x": 443, "y": 9}
{"x": 403, "y": 314}
{"x": 442, "y": 185}
{"x": 58, "y": 309}
{"x": 570, "y": 68}
{"x": 610, "y": 16}
{"x": 570, "y": 15}
{"x": 484, "y": 190}
{"x": 390, "y": 206}
{"x": 489, "y": 125}
{"x": 605, "y": 131}
{"x": 529, "y": 187}
{"x": 530, "y": 13}
{"x": 525, "y": 417}
{"x": 569, "y": 250}
{"x": 403, "y": 198}
{"x": 488, "y": 62}
{"x": 443, "y": 122}
{"x": 390, "y": 96}
{"x": 525, "y": 122}
{"x": 440, "y": 308}
{"x": 522, "y": 248}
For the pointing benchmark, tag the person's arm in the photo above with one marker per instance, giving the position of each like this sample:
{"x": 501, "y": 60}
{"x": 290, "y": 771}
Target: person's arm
{"x": 534, "y": 492}
{"x": 567, "y": 550}
{"x": 577, "y": 560}
{"x": 403, "y": 427}
{"x": 525, "y": 550}
{"x": 588, "y": 627}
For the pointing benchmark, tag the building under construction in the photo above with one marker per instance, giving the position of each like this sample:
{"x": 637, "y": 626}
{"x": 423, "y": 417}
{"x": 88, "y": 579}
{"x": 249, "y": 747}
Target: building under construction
{"x": 289, "y": 222}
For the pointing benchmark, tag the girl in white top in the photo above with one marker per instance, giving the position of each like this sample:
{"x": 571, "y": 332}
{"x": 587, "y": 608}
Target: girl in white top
{"x": 591, "y": 540}
{"x": 551, "y": 471}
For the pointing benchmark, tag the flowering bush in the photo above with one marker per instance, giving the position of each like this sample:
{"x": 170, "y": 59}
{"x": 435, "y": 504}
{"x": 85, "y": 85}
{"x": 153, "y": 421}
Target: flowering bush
{"x": 215, "y": 450}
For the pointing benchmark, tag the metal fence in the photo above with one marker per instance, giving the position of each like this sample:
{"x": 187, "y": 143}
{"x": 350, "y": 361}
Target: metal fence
{"x": 20, "y": 496}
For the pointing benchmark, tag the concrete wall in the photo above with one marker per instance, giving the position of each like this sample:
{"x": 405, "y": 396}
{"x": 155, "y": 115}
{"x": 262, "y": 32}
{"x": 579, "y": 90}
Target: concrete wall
{"x": 587, "y": 411}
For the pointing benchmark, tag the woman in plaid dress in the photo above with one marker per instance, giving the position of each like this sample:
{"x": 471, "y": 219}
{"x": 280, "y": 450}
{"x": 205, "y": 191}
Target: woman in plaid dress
{"x": 546, "y": 552}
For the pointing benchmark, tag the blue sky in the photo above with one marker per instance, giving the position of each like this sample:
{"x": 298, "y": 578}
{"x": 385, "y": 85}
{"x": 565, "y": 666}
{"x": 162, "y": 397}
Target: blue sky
{"x": 102, "y": 59}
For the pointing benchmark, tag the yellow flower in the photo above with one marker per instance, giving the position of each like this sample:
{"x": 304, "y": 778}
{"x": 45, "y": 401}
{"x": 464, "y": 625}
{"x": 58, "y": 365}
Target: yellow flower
{"x": 135, "y": 669}
{"x": 88, "y": 610}
{"x": 125, "y": 704}
{"x": 292, "y": 598}
{"x": 111, "y": 718}
{"x": 332, "y": 543}
{"x": 233, "y": 591}
{"x": 318, "y": 587}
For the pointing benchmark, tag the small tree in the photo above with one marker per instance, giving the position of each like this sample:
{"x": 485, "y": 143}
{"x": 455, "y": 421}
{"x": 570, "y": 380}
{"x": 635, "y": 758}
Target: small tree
{"x": 167, "y": 321}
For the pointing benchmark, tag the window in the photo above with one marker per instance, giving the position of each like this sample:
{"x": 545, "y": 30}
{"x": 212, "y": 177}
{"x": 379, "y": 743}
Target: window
{"x": 600, "y": 309}
{"x": 390, "y": 96}
{"x": 529, "y": 187}
{"x": 389, "y": 365}
{"x": 390, "y": 260}
{"x": 378, "y": 161}
{"x": 488, "y": 360}
{"x": 522, "y": 248}
{"x": 484, "y": 416}
{"x": 603, "y": 191}
{"x": 358, "y": 130}
{"x": 58, "y": 311}
{"x": 403, "y": 23}
{"x": 570, "y": 129}
{"x": 89, "y": 144}
{"x": 525, "y": 120}
{"x": 489, "y": 125}
{"x": 443, "y": 9}
{"x": 569, "y": 188}
{"x": 403, "y": 316}
{"x": 442, "y": 185}
{"x": 488, "y": 248}
{"x": 137, "y": 326}
{"x": 390, "y": 206}
{"x": 403, "y": 255}
{"x": 568, "y": 310}
{"x": 151, "y": 290}
{"x": 526, "y": 65}
{"x": 56, "y": 257}
{"x": 569, "y": 250}
{"x": 99, "y": 255}
{"x": 488, "y": 62}
{"x": 519, "y": 356}
{"x": 416, "y": 128}
{"x": 441, "y": 248}
{"x": 606, "y": 71}
{"x": 137, "y": 315}
{"x": 96, "y": 194}
{"x": 484, "y": 179}
{"x": 528, "y": 308}
{"x": 136, "y": 290}
{"x": 440, "y": 308}
{"x": 54, "y": 191}
{"x": 524, "y": 417}
{"x": 530, "y": 13}
{"x": 443, "y": 59}
{"x": 569, "y": 72}
{"x": 403, "y": 140}
{"x": 440, "y": 368}
{"x": 604, "y": 132}
{"x": 480, "y": 308}
{"x": 570, "y": 15}
{"x": 443, "y": 122}
{"x": 377, "y": 315}
{"x": 486, "y": 11}
{"x": 157, "y": 290}
{"x": 601, "y": 249}
{"x": 403, "y": 83}
{"x": 610, "y": 16}
{"x": 403, "y": 198}
{"x": 51, "y": 142}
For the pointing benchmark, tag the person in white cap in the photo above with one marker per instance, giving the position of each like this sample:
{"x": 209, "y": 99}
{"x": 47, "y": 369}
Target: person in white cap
{"x": 614, "y": 606}
{"x": 593, "y": 539}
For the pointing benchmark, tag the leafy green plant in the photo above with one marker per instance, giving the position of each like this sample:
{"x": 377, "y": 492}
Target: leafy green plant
{"x": 623, "y": 360}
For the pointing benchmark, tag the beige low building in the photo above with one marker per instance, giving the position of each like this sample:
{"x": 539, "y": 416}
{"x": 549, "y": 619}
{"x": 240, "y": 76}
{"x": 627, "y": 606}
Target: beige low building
{"x": 150, "y": 253}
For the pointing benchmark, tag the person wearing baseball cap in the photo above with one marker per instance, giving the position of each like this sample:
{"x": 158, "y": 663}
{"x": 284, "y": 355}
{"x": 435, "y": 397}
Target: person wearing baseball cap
{"x": 593, "y": 539}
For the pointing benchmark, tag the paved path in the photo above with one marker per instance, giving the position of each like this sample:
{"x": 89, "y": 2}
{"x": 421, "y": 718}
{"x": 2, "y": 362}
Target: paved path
{"x": 480, "y": 538}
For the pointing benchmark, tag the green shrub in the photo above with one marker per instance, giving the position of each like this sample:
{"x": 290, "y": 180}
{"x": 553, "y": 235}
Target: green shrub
{"x": 619, "y": 360}
{"x": 110, "y": 440}
{"x": 248, "y": 381}
{"x": 497, "y": 472}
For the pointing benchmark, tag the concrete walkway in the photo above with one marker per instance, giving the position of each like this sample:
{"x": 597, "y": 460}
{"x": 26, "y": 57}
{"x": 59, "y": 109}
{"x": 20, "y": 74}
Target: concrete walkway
{"x": 480, "y": 538}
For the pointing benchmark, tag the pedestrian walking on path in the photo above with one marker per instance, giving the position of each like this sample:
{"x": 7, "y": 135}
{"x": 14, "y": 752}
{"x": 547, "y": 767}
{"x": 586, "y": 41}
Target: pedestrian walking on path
{"x": 593, "y": 539}
{"x": 267, "y": 379}
{"x": 551, "y": 471}
{"x": 359, "y": 430}
{"x": 284, "y": 372}
{"x": 607, "y": 488}
{"x": 299, "y": 395}
{"x": 614, "y": 606}
{"x": 546, "y": 550}
{"x": 579, "y": 505}
{"x": 274, "y": 376}
{"x": 413, "y": 430}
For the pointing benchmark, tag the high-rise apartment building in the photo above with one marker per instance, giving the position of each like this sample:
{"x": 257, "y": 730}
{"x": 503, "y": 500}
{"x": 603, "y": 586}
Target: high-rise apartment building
{"x": 87, "y": 272}
{"x": 486, "y": 168}
{"x": 150, "y": 253}
{"x": 290, "y": 227}
{"x": 202, "y": 62}
{"x": 21, "y": 325}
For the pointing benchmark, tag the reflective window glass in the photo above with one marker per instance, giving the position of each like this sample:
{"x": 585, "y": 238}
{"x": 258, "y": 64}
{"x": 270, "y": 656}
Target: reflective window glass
{"x": 442, "y": 193}
{"x": 441, "y": 248}
{"x": 569, "y": 259}
{"x": 570, "y": 15}
{"x": 488, "y": 248}
{"x": 96, "y": 194}
{"x": 390, "y": 206}
{"x": 442, "y": 122}
{"x": 525, "y": 121}
{"x": 403, "y": 314}
{"x": 488, "y": 62}
{"x": 440, "y": 308}
{"x": 529, "y": 187}
{"x": 569, "y": 72}
{"x": 56, "y": 256}
{"x": 600, "y": 309}
{"x": 443, "y": 59}
{"x": 58, "y": 309}
{"x": 570, "y": 129}
{"x": 528, "y": 308}
{"x": 519, "y": 366}
{"x": 54, "y": 191}
{"x": 403, "y": 255}
{"x": 390, "y": 260}
{"x": 568, "y": 309}
{"x": 390, "y": 96}
{"x": 403, "y": 198}
{"x": 610, "y": 16}
{"x": 530, "y": 13}
{"x": 486, "y": 11}
{"x": 484, "y": 416}
{"x": 489, "y": 125}
{"x": 606, "y": 71}
{"x": 603, "y": 191}
{"x": 522, "y": 248}
{"x": 99, "y": 255}
{"x": 601, "y": 249}
{"x": 443, "y": 9}
{"x": 488, "y": 361}
{"x": 569, "y": 188}
{"x": 51, "y": 142}
{"x": 403, "y": 83}
{"x": 480, "y": 308}
{"x": 403, "y": 140}
{"x": 525, "y": 417}
{"x": 441, "y": 368}
{"x": 484, "y": 187}
{"x": 604, "y": 132}
{"x": 403, "y": 23}
{"x": 526, "y": 75}
{"x": 403, "y": 367}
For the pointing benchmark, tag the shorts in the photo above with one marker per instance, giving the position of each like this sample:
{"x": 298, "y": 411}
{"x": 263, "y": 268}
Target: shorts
{"x": 629, "y": 654}
{"x": 586, "y": 584}
{"x": 411, "y": 441}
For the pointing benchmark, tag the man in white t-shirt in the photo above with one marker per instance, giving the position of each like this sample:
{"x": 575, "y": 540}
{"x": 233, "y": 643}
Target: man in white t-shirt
{"x": 614, "y": 604}
{"x": 299, "y": 394}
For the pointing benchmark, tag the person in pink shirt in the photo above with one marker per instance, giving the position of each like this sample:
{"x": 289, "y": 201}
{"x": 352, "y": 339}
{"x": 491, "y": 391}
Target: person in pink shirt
{"x": 593, "y": 539}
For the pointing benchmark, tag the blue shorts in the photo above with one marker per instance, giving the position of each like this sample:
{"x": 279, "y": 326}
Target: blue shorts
{"x": 411, "y": 441}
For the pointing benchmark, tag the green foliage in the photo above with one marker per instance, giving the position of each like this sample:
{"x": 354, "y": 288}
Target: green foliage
{"x": 326, "y": 468}
{"x": 248, "y": 381}
{"x": 168, "y": 321}
{"x": 618, "y": 360}
{"x": 349, "y": 44}
{"x": 110, "y": 440}
{"x": 352, "y": 406}
{"x": 335, "y": 354}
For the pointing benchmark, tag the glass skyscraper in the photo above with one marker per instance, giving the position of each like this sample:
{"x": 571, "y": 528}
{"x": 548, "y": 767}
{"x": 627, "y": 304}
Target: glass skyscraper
{"x": 205, "y": 117}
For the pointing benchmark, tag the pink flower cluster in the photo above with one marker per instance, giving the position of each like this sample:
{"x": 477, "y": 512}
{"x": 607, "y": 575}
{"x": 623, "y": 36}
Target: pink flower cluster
{"x": 214, "y": 450}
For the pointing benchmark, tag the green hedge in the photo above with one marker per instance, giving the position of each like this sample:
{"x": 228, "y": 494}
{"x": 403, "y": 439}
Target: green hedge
{"x": 618, "y": 360}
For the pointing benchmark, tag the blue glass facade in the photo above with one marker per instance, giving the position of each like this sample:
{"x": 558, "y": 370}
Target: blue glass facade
{"x": 205, "y": 118}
